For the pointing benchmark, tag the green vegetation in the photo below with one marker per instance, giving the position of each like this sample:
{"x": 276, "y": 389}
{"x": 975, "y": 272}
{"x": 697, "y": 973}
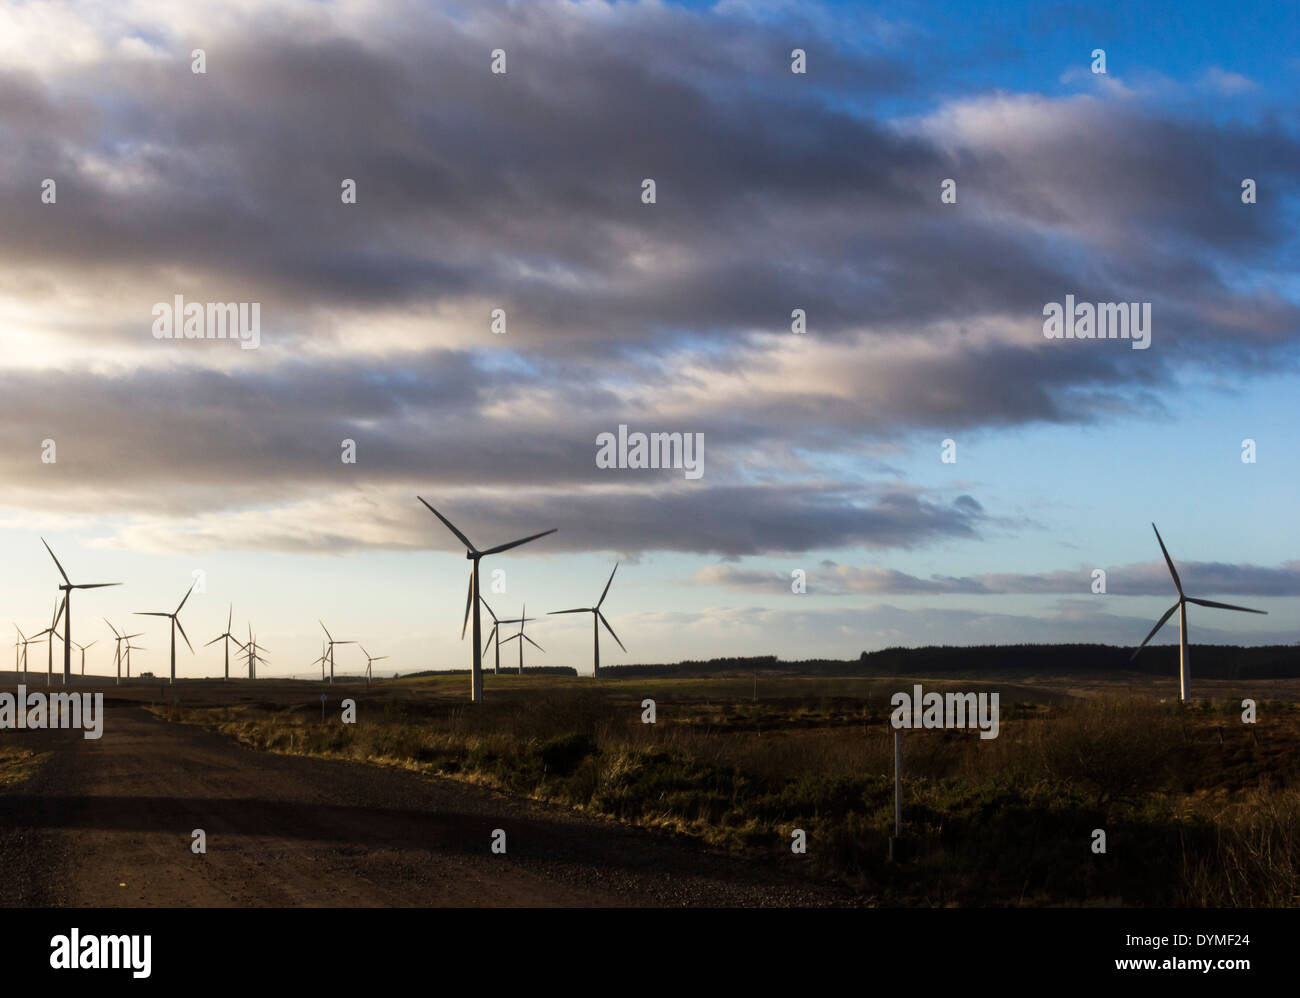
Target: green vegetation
{"x": 1198, "y": 808}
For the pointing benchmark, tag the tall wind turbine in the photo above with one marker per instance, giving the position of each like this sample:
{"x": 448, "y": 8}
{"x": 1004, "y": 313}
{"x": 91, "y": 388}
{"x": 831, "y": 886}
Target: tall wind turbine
{"x": 332, "y": 643}
{"x": 52, "y": 632}
{"x": 597, "y": 618}
{"x": 523, "y": 619}
{"x": 370, "y": 659}
{"x": 82, "y": 648}
{"x": 66, "y": 589}
{"x": 228, "y": 637}
{"x": 175, "y": 619}
{"x": 1184, "y": 666}
{"x": 474, "y": 555}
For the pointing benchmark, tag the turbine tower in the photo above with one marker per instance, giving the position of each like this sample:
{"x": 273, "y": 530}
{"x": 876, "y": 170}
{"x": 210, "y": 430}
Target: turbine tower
{"x": 474, "y": 555}
{"x": 1184, "y": 666}
{"x": 597, "y": 618}
{"x": 523, "y": 619}
{"x": 175, "y": 619}
{"x": 66, "y": 589}
{"x": 228, "y": 638}
{"x": 332, "y": 643}
{"x": 129, "y": 648}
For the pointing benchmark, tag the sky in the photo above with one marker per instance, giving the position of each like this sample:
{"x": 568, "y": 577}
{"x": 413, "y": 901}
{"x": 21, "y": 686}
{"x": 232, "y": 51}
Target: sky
{"x": 159, "y": 462}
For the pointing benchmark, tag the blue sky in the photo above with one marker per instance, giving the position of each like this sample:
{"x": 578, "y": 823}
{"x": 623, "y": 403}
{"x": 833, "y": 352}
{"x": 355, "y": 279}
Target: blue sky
{"x": 522, "y": 191}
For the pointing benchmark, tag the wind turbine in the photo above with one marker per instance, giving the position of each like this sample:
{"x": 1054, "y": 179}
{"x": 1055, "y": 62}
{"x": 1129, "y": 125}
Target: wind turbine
{"x": 117, "y": 651}
{"x": 332, "y": 643}
{"x": 369, "y": 659}
{"x": 523, "y": 619}
{"x": 228, "y": 638}
{"x": 495, "y": 634}
{"x": 82, "y": 648}
{"x": 252, "y": 648}
{"x": 474, "y": 555}
{"x": 597, "y": 618}
{"x": 66, "y": 589}
{"x": 175, "y": 619}
{"x": 52, "y": 633}
{"x": 24, "y": 640}
{"x": 1184, "y": 666}
{"x": 129, "y": 648}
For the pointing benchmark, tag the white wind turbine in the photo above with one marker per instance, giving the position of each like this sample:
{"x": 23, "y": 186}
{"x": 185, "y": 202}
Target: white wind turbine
{"x": 597, "y": 618}
{"x": 1184, "y": 666}
{"x": 369, "y": 660}
{"x": 67, "y": 588}
{"x": 227, "y": 637}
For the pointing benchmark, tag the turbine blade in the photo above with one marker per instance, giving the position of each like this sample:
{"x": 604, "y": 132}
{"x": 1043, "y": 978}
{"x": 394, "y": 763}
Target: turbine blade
{"x": 151, "y": 613}
{"x": 506, "y": 641}
{"x": 580, "y": 609}
{"x": 514, "y": 544}
{"x": 56, "y": 562}
{"x": 84, "y": 647}
{"x": 1159, "y": 624}
{"x": 323, "y": 628}
{"x": 110, "y": 626}
{"x": 379, "y": 658}
{"x": 488, "y": 608}
{"x": 469, "y": 546}
{"x": 1178, "y": 583}
{"x": 182, "y": 630}
{"x": 607, "y": 585}
{"x": 187, "y": 594}
{"x": 610, "y": 629}
{"x": 532, "y": 642}
{"x": 139, "y": 635}
{"x": 469, "y": 601}
{"x": 215, "y": 640}
{"x": 1223, "y": 606}
{"x": 230, "y": 617}
{"x": 97, "y": 585}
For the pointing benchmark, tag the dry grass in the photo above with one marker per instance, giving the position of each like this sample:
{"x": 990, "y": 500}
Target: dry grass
{"x": 1199, "y": 809}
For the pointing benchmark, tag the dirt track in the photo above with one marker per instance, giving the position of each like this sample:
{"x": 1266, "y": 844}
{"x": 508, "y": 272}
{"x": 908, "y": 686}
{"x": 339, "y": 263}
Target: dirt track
{"x": 109, "y": 823}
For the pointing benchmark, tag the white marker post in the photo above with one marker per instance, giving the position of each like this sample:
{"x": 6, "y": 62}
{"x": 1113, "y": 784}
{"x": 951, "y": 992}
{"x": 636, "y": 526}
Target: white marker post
{"x": 896, "y": 840}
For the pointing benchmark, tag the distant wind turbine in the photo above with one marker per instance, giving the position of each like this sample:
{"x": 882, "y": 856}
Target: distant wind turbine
{"x": 597, "y": 618}
{"x": 117, "y": 652}
{"x": 176, "y": 622}
{"x": 332, "y": 643}
{"x": 82, "y": 648}
{"x": 523, "y": 619}
{"x": 1184, "y": 666}
{"x": 494, "y": 635}
{"x": 24, "y": 640}
{"x": 252, "y": 648}
{"x": 130, "y": 648}
{"x": 66, "y": 589}
{"x": 52, "y": 632}
{"x": 369, "y": 660}
{"x": 228, "y": 637}
{"x": 474, "y": 555}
